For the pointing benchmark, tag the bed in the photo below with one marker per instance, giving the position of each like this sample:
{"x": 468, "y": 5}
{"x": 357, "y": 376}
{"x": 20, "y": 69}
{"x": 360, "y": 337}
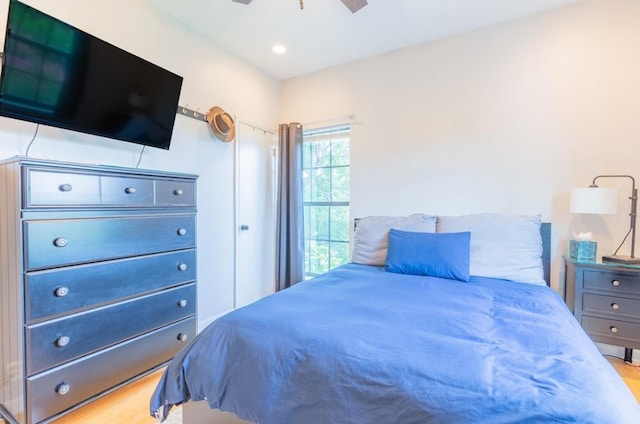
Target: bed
{"x": 367, "y": 343}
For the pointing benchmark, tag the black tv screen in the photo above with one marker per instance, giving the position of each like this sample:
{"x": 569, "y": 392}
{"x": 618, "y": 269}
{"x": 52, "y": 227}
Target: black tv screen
{"x": 58, "y": 75}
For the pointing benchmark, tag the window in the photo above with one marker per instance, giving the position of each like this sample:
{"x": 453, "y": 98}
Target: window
{"x": 325, "y": 177}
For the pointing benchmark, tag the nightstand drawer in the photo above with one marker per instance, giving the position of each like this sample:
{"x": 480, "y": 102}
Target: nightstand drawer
{"x": 612, "y": 281}
{"x": 52, "y": 392}
{"x": 58, "y": 341}
{"x": 615, "y": 306}
{"x": 63, "y": 291}
{"x": 610, "y": 330}
{"x": 58, "y": 242}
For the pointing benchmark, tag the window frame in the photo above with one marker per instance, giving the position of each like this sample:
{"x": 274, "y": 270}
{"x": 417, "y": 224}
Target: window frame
{"x": 330, "y": 238}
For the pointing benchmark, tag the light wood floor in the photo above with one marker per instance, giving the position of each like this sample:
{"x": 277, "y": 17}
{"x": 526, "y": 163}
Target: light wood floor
{"x": 630, "y": 374}
{"x": 130, "y": 404}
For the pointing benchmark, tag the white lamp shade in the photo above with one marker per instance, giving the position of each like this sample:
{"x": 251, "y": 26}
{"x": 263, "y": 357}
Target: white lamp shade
{"x": 594, "y": 200}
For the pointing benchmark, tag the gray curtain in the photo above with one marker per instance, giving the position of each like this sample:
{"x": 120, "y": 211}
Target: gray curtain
{"x": 289, "y": 213}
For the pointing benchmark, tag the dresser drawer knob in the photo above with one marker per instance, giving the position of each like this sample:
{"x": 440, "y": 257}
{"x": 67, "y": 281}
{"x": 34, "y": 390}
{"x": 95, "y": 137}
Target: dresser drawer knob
{"x": 613, "y": 329}
{"x": 178, "y": 192}
{"x": 182, "y": 267}
{"x": 615, "y": 283}
{"x": 63, "y": 389}
{"x": 182, "y": 337}
{"x": 62, "y": 341}
{"x": 182, "y": 231}
{"x": 130, "y": 190}
{"x": 615, "y": 306}
{"x": 60, "y": 242}
{"x": 61, "y": 291}
{"x": 65, "y": 187}
{"x": 182, "y": 303}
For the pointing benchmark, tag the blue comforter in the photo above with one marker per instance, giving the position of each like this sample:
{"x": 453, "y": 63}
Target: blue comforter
{"x": 361, "y": 345}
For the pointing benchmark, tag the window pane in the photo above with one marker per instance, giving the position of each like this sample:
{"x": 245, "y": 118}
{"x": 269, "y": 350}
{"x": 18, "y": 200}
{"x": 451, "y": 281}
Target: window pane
{"x": 339, "y": 254}
{"x": 340, "y": 223}
{"x": 321, "y": 185}
{"x": 306, "y": 155}
{"x": 340, "y": 152}
{"x": 307, "y": 219}
{"x": 320, "y": 154}
{"x": 340, "y": 182}
{"x": 306, "y": 185}
{"x": 318, "y": 222}
{"x": 319, "y": 257}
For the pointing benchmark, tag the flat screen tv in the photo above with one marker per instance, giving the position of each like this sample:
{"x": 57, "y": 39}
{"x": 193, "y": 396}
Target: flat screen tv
{"x": 58, "y": 75}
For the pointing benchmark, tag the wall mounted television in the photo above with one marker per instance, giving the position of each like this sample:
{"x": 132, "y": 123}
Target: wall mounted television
{"x": 58, "y": 75}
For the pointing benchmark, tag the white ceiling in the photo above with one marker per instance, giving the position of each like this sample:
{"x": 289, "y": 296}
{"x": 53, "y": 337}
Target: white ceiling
{"x": 326, "y": 33}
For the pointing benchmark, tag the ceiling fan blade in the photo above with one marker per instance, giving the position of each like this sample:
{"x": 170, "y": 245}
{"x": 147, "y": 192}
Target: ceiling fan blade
{"x": 354, "y": 5}
{"x": 243, "y": 1}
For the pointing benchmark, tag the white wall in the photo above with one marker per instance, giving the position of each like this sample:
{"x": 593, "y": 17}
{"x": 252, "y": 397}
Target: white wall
{"x": 506, "y": 119}
{"x": 211, "y": 77}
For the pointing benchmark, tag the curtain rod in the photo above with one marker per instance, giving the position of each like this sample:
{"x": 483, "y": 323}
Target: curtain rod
{"x": 351, "y": 117}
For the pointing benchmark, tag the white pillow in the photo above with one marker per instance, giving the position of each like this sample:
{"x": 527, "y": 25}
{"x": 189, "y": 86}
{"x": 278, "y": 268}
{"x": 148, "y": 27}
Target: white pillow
{"x": 508, "y": 247}
{"x": 372, "y": 235}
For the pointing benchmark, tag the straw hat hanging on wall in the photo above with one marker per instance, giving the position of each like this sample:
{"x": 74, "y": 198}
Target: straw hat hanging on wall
{"x": 221, "y": 124}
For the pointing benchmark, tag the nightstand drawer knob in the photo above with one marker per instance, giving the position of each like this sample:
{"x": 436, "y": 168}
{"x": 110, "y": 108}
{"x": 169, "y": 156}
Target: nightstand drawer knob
{"x": 130, "y": 190}
{"x": 182, "y": 231}
{"x": 182, "y": 303}
{"x": 62, "y": 341}
{"x": 61, "y": 291}
{"x": 60, "y": 242}
{"x": 182, "y": 267}
{"x": 182, "y": 337}
{"x": 613, "y": 329}
{"x": 63, "y": 389}
{"x": 65, "y": 187}
{"x": 178, "y": 192}
{"x": 615, "y": 283}
{"x": 615, "y": 306}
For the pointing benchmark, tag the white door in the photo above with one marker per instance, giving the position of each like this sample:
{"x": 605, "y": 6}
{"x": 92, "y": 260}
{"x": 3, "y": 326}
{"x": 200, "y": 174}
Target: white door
{"x": 255, "y": 215}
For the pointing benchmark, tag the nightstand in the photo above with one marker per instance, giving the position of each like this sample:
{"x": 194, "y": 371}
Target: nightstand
{"x": 605, "y": 299}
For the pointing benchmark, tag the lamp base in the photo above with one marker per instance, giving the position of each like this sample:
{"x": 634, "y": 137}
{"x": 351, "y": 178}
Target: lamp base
{"x": 621, "y": 259}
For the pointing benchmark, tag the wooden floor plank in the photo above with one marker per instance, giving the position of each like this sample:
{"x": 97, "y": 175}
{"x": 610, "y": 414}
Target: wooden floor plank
{"x": 630, "y": 373}
{"x": 129, "y": 404}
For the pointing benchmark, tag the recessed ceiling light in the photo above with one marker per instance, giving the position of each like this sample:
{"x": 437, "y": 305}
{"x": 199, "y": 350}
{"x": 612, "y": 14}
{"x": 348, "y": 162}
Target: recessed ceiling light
{"x": 279, "y": 49}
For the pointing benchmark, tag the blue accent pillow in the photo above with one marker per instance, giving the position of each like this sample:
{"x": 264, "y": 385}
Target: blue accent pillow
{"x": 444, "y": 255}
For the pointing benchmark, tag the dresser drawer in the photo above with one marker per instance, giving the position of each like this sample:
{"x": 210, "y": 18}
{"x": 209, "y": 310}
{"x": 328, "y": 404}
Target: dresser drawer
{"x": 96, "y": 373}
{"x": 612, "y": 281}
{"x": 175, "y": 193}
{"x": 615, "y": 306}
{"x": 612, "y": 331}
{"x": 59, "y": 242}
{"x": 53, "y": 188}
{"x": 124, "y": 191}
{"x": 68, "y": 290}
{"x": 58, "y": 341}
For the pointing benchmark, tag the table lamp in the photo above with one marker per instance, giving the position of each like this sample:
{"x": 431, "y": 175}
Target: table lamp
{"x": 598, "y": 200}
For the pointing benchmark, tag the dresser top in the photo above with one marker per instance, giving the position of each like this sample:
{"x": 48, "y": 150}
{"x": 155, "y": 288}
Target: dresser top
{"x": 24, "y": 160}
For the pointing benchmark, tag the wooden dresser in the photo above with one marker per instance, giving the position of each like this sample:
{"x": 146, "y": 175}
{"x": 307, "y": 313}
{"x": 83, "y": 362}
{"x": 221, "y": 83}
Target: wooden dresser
{"x": 605, "y": 298}
{"x": 97, "y": 280}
